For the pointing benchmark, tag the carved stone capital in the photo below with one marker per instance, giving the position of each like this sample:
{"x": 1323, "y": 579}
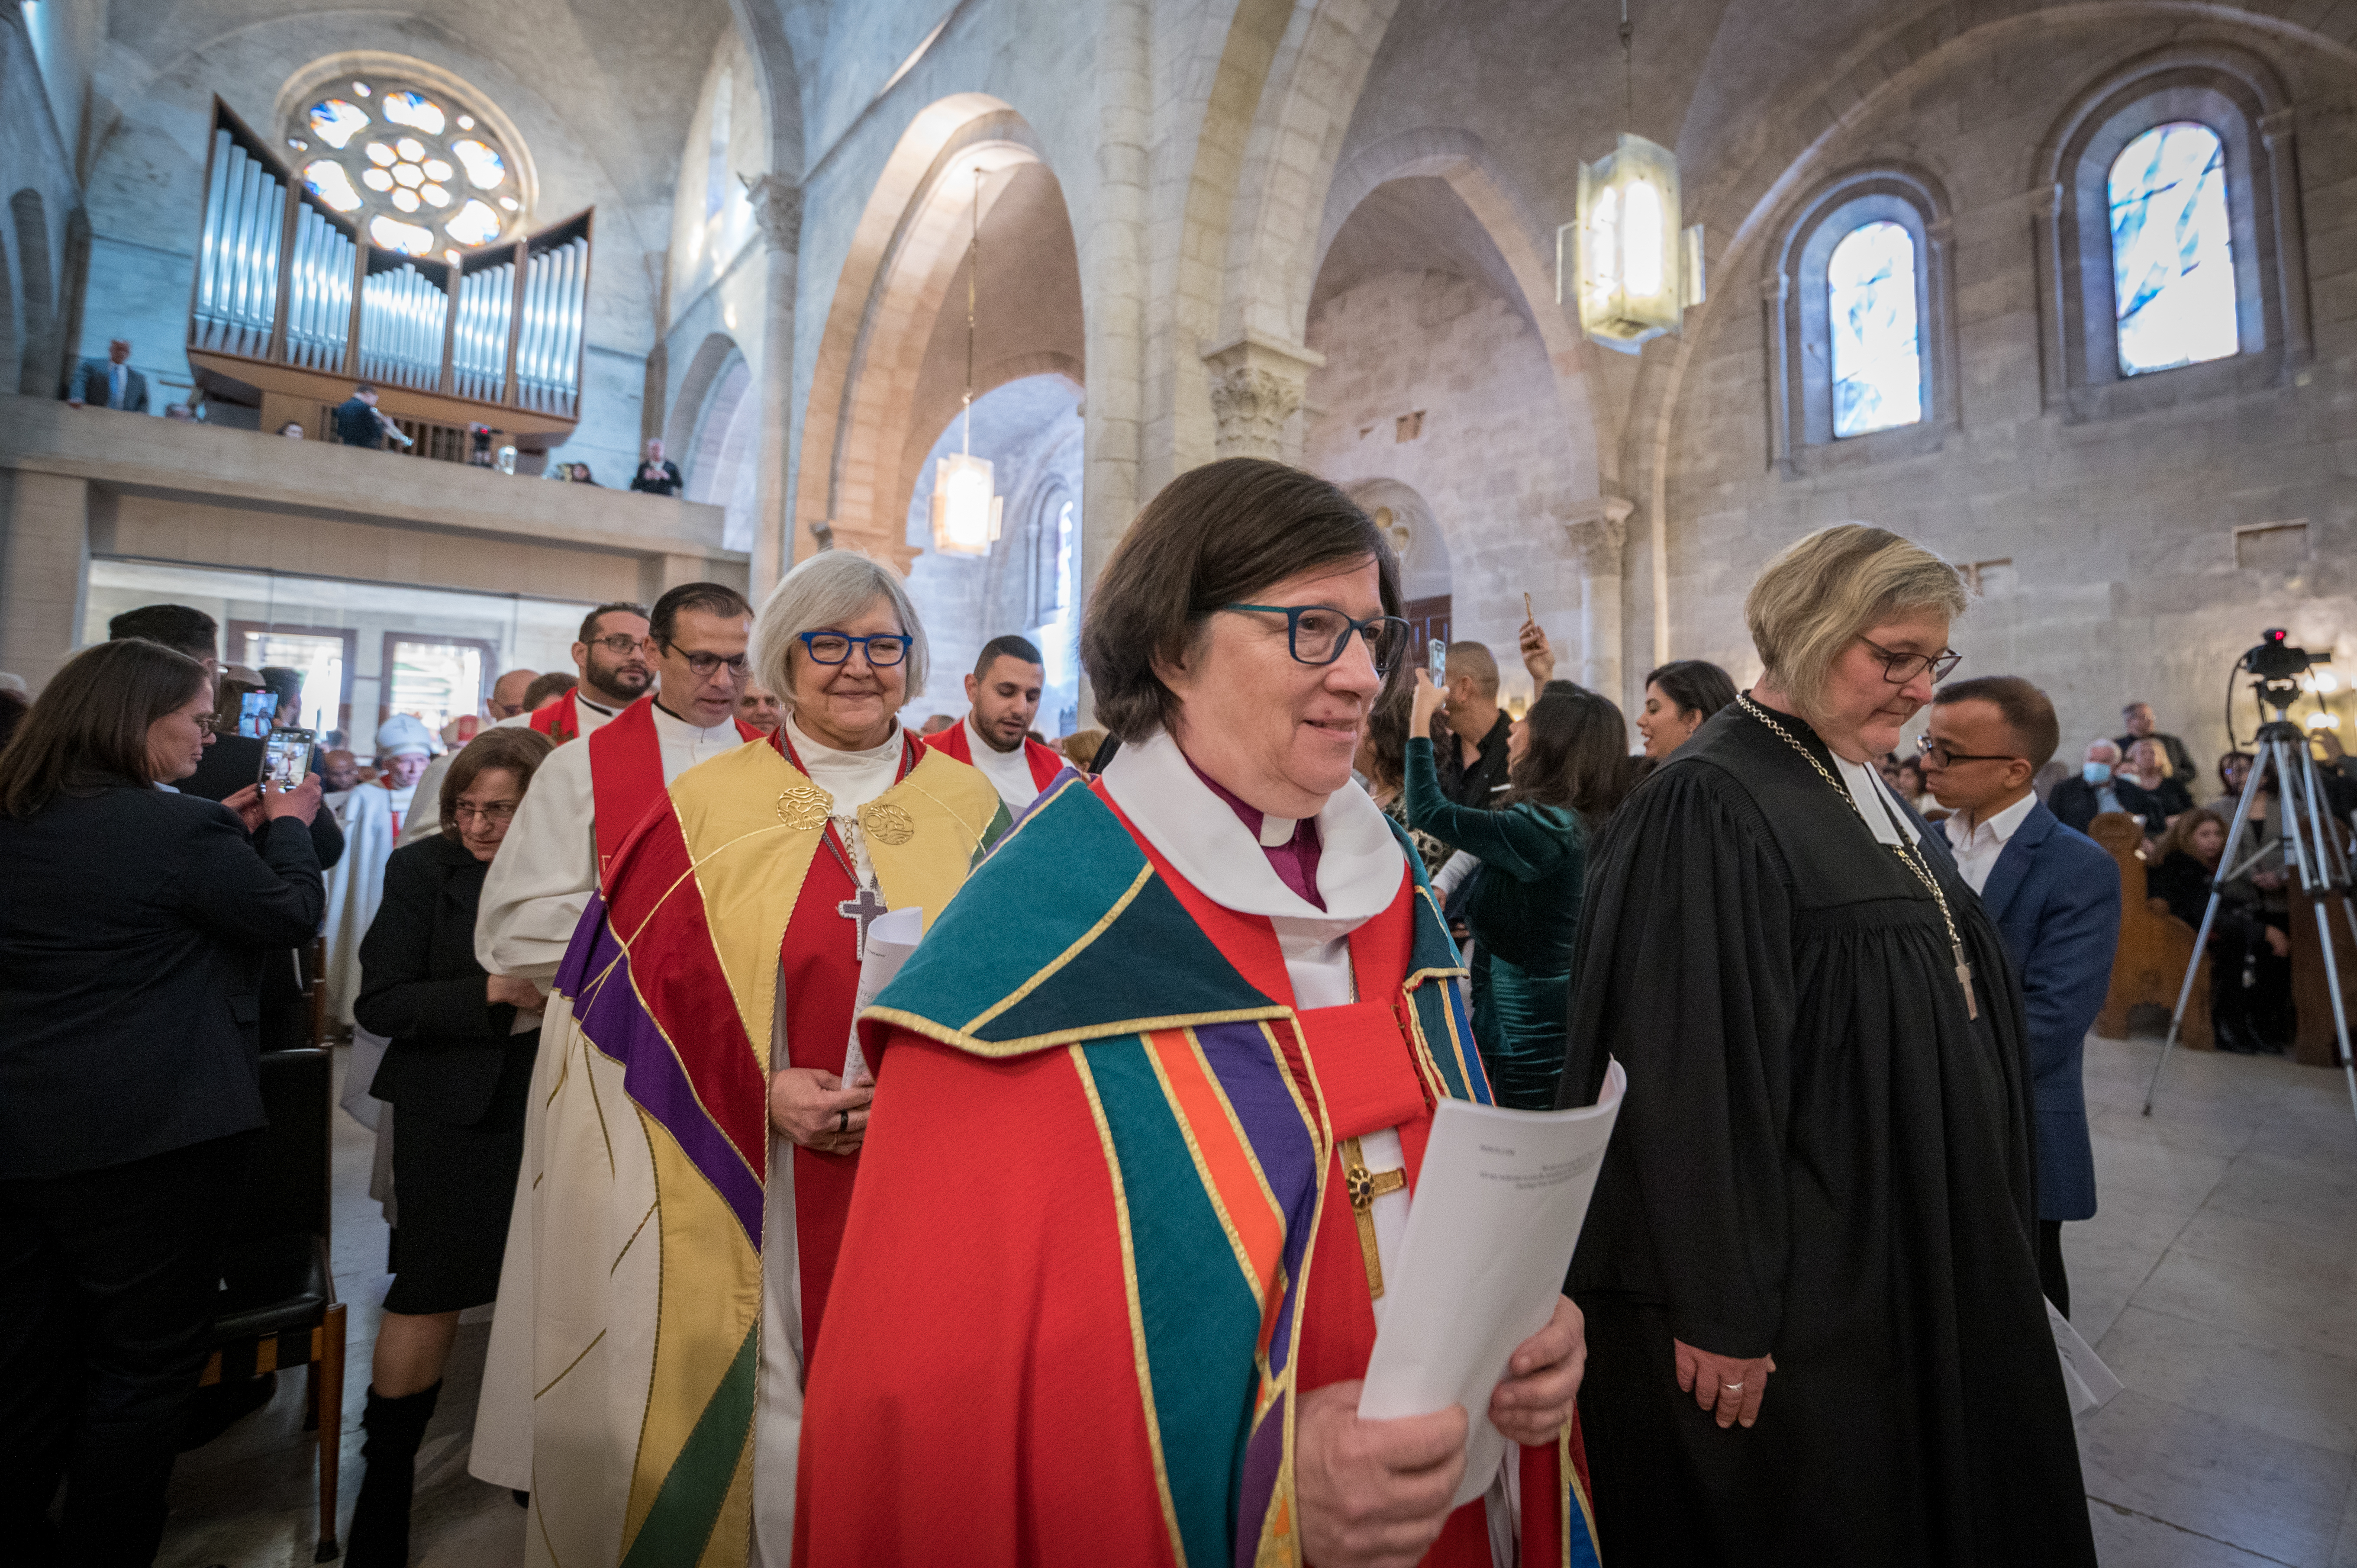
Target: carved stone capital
{"x": 1597, "y": 530}
{"x": 1256, "y": 385}
{"x": 776, "y": 211}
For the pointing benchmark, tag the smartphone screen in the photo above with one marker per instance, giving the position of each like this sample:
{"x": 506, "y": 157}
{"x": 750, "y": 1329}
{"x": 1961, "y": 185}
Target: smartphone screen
{"x": 254, "y": 712}
{"x": 1435, "y": 660}
{"x": 285, "y": 758}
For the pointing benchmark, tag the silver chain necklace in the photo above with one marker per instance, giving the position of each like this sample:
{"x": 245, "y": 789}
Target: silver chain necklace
{"x": 1906, "y": 857}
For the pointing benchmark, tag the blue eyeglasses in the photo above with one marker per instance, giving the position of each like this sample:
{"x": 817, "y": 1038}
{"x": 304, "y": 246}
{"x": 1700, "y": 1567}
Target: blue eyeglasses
{"x": 884, "y": 650}
{"x": 1317, "y": 633}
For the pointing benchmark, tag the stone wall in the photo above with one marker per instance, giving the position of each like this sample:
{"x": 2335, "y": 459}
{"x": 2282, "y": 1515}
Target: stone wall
{"x": 2112, "y": 570}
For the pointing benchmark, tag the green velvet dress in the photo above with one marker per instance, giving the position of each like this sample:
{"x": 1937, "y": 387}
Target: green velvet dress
{"x": 1524, "y": 918}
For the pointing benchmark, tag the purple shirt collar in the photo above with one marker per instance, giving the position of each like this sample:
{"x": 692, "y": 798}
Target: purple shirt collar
{"x": 1293, "y": 861}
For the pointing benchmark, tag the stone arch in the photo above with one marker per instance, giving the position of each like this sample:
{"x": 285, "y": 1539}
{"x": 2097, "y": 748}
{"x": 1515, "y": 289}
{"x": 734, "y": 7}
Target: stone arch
{"x": 39, "y": 361}
{"x": 763, "y": 28}
{"x": 688, "y": 410}
{"x": 865, "y": 423}
{"x": 723, "y": 467}
{"x": 316, "y": 77}
{"x": 1416, "y": 532}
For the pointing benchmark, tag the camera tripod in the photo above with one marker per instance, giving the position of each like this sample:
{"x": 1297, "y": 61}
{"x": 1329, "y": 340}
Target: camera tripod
{"x": 2311, "y": 844}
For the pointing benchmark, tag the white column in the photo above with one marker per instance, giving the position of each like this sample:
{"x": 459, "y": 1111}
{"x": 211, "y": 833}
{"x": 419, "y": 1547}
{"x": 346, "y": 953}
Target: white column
{"x": 778, "y": 210}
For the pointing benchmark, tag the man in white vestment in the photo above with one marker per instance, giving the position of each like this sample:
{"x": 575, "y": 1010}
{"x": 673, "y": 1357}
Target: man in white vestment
{"x": 617, "y": 668}
{"x": 371, "y": 814}
{"x": 535, "y": 892}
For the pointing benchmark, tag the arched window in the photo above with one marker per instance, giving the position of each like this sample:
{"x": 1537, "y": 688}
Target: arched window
{"x": 1860, "y": 331}
{"x": 418, "y": 171}
{"x": 1877, "y": 355}
{"x": 2171, "y": 265}
{"x": 2173, "y": 250}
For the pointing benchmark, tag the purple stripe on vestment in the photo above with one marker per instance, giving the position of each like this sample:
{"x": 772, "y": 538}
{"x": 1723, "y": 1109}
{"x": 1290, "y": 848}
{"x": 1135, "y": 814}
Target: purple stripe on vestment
{"x": 1253, "y": 1076}
{"x": 614, "y": 1021}
{"x": 577, "y": 969}
{"x": 1263, "y": 1456}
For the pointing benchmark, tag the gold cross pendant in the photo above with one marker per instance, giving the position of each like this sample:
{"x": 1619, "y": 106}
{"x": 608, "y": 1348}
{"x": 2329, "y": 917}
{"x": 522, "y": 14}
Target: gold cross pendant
{"x": 1364, "y": 1187}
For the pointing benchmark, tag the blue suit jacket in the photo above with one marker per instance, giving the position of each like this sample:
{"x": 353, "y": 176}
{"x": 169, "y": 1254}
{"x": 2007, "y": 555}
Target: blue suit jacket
{"x": 2054, "y": 894}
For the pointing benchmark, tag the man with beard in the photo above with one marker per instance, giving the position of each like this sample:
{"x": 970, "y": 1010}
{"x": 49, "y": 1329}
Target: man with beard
{"x": 996, "y": 734}
{"x": 616, "y": 671}
{"x": 585, "y": 801}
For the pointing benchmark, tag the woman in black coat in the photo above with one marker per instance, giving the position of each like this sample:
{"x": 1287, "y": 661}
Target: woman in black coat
{"x": 458, "y": 1071}
{"x": 132, "y": 918}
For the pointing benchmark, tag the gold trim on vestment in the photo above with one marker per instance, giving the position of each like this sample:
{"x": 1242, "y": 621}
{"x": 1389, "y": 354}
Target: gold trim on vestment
{"x": 998, "y": 1050}
{"x": 1136, "y": 1310}
{"x": 1128, "y": 896}
{"x": 1202, "y": 1167}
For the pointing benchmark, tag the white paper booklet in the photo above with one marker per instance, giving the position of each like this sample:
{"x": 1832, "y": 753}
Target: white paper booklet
{"x": 1498, "y": 1207}
{"x": 891, "y": 939}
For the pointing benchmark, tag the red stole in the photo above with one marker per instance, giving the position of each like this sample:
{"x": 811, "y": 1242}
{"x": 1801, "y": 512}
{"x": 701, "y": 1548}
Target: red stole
{"x": 1365, "y": 1070}
{"x": 560, "y": 721}
{"x": 1044, "y": 761}
{"x": 819, "y": 962}
{"x": 626, "y": 774}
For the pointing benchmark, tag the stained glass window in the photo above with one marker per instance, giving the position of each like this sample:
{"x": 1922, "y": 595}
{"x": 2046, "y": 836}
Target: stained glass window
{"x": 2173, "y": 250}
{"x": 404, "y": 161}
{"x": 1877, "y": 353}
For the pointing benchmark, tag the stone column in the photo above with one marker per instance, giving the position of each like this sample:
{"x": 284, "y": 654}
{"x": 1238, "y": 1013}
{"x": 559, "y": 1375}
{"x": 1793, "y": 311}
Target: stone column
{"x": 778, "y": 210}
{"x": 44, "y": 570}
{"x": 2277, "y": 131}
{"x": 1595, "y": 531}
{"x": 1257, "y": 385}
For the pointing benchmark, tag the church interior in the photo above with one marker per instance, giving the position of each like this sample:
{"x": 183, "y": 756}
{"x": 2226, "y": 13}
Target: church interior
{"x": 825, "y": 253}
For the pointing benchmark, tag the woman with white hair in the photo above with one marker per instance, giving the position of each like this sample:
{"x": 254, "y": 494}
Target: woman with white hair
{"x": 697, "y": 1152}
{"x": 1809, "y": 1274}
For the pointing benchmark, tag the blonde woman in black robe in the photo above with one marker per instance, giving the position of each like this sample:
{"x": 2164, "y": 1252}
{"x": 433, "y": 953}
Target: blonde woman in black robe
{"x": 1814, "y": 1328}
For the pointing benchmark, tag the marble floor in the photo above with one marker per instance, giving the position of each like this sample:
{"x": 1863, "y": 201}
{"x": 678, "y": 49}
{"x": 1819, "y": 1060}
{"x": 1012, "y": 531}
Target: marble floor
{"x": 2219, "y": 1282}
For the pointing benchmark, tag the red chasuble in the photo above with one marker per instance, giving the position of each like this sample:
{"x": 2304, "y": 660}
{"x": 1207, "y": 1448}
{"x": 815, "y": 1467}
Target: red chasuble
{"x": 820, "y": 961}
{"x": 625, "y": 773}
{"x": 560, "y": 721}
{"x": 1045, "y": 761}
{"x": 1101, "y": 1154}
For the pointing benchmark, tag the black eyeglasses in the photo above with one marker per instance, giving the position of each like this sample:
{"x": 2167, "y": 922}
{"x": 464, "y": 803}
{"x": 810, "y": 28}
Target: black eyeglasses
{"x": 1938, "y": 755}
{"x": 884, "y": 650}
{"x": 1317, "y": 633}
{"x": 704, "y": 664}
{"x": 1901, "y": 668}
{"x": 622, "y": 643}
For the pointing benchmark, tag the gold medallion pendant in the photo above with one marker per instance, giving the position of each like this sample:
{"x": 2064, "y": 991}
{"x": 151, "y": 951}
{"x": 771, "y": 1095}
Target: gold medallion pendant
{"x": 804, "y": 807}
{"x": 886, "y": 823}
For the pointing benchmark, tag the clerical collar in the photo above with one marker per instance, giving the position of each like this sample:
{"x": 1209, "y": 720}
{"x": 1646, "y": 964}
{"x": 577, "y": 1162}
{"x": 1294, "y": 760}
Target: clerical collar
{"x": 663, "y": 713}
{"x": 1289, "y": 842}
{"x": 592, "y": 702}
{"x": 1360, "y": 863}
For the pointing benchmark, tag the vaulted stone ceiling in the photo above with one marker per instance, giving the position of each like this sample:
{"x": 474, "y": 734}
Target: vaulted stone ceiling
{"x": 622, "y": 75}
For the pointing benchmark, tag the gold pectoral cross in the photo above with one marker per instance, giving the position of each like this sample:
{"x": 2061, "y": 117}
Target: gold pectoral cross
{"x": 1364, "y": 1187}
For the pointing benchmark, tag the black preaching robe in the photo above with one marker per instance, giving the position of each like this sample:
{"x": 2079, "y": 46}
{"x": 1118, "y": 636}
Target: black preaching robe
{"x": 1822, "y": 1158}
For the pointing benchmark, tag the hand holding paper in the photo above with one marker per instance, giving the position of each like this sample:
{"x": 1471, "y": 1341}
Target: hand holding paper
{"x": 891, "y": 939}
{"x": 1498, "y": 1207}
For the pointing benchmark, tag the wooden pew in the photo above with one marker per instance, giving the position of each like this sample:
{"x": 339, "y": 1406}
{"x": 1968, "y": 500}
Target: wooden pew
{"x": 2154, "y": 945}
{"x": 2315, "y": 1042}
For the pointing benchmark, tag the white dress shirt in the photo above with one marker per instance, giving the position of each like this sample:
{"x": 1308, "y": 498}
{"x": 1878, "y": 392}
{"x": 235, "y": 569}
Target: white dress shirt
{"x": 1977, "y": 844}
{"x": 1009, "y": 772}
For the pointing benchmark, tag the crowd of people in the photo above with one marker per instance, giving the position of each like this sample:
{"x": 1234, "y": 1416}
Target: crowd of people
{"x": 964, "y": 1266}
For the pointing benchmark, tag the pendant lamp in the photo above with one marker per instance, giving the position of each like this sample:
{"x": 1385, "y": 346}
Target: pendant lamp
{"x": 1631, "y": 267}
{"x": 966, "y": 513}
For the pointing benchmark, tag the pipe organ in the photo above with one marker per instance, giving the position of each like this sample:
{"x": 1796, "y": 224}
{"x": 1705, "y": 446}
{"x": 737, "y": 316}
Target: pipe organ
{"x": 292, "y": 298}
{"x": 237, "y": 266}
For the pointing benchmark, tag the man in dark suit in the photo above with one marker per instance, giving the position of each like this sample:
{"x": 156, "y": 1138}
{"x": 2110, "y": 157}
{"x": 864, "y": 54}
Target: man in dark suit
{"x": 2055, "y": 895}
{"x": 2092, "y": 791}
{"x": 109, "y": 382}
{"x": 232, "y": 763}
{"x": 2137, "y": 717}
{"x": 658, "y": 475}
{"x": 357, "y": 422}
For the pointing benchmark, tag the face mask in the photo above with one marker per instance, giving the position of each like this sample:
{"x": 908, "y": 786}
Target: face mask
{"x": 2097, "y": 773}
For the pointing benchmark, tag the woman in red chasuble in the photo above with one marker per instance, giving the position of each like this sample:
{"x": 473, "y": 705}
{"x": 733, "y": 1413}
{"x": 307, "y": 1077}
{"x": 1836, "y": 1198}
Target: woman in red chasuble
{"x": 1154, "y": 1095}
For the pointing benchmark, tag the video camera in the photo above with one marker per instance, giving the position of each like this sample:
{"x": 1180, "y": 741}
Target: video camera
{"x": 2274, "y": 659}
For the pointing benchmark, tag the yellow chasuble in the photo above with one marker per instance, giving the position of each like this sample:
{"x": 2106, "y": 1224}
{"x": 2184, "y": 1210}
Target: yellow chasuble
{"x": 647, "y": 1155}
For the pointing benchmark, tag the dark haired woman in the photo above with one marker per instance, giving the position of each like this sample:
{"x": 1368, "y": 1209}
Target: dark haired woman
{"x": 129, "y": 1029}
{"x": 1678, "y": 697}
{"x": 458, "y": 1071}
{"x": 1563, "y": 779}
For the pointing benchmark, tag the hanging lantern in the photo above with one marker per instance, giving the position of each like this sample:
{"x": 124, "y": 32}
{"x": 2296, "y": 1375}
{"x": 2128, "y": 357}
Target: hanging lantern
{"x": 1634, "y": 271}
{"x": 965, "y": 512}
